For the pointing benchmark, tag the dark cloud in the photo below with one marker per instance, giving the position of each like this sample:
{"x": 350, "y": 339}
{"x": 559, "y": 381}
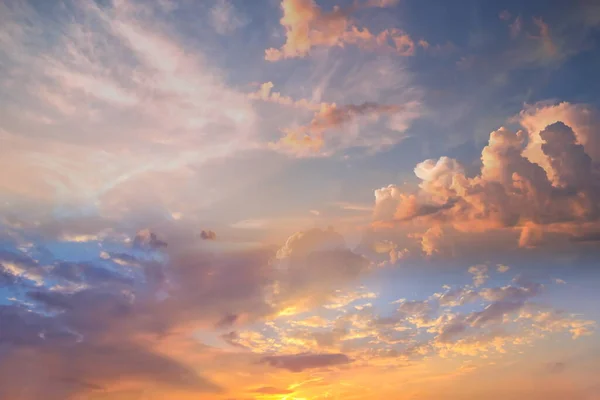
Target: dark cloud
{"x": 146, "y": 239}
{"x": 300, "y": 362}
{"x": 208, "y": 235}
{"x": 226, "y": 321}
{"x": 494, "y": 313}
{"x": 85, "y": 317}
{"x": 90, "y": 273}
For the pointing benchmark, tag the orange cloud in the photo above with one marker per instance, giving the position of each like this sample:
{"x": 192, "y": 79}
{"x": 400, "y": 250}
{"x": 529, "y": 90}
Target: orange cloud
{"x": 307, "y": 26}
{"x": 310, "y": 139}
{"x": 530, "y": 185}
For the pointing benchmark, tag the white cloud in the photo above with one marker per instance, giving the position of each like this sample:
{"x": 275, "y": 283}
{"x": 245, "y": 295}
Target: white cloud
{"x": 480, "y": 274}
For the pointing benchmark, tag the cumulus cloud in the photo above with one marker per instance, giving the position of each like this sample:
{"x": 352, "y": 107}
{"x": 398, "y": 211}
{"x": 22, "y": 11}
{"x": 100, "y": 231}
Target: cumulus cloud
{"x": 546, "y": 183}
{"x": 307, "y": 26}
{"x": 583, "y": 119}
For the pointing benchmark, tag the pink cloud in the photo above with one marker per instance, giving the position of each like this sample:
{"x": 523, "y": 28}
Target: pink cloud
{"x": 546, "y": 183}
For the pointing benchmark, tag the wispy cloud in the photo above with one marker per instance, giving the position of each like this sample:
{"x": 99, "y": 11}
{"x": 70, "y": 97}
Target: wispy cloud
{"x": 225, "y": 18}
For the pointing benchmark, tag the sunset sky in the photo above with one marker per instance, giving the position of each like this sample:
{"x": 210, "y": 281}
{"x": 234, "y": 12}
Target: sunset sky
{"x": 299, "y": 200}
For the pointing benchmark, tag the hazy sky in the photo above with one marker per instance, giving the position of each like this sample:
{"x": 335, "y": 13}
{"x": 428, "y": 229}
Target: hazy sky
{"x": 299, "y": 199}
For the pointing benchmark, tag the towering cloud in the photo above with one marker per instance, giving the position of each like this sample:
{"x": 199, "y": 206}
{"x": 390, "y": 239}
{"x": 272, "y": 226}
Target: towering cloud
{"x": 535, "y": 181}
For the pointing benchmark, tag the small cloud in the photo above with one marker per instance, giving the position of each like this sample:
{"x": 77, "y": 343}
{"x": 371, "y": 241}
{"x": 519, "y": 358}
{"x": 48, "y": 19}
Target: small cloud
{"x": 315, "y": 212}
{"x": 502, "y": 268}
{"x": 208, "y": 235}
{"x": 559, "y": 281}
{"x": 148, "y": 240}
{"x": 479, "y": 273}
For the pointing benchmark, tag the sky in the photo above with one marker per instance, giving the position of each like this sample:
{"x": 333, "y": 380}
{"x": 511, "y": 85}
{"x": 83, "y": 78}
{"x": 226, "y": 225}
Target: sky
{"x": 299, "y": 199}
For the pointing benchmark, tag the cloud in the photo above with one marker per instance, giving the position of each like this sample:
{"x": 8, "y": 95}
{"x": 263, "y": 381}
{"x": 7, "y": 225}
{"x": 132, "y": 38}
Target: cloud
{"x": 225, "y": 19}
{"x": 516, "y": 27}
{"x": 208, "y": 235}
{"x": 497, "y": 319}
{"x": 544, "y": 36}
{"x": 85, "y": 343}
{"x": 457, "y": 297}
{"x": 311, "y": 266}
{"x": 108, "y": 319}
{"x": 147, "y": 239}
{"x": 101, "y": 312}
{"x": 314, "y": 138}
{"x": 307, "y": 26}
{"x": 556, "y": 321}
{"x": 583, "y": 119}
{"x": 301, "y": 362}
{"x": 547, "y": 183}
{"x": 125, "y": 63}
{"x": 502, "y": 268}
{"x": 381, "y": 3}
{"x": 480, "y": 275}
{"x": 265, "y": 93}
